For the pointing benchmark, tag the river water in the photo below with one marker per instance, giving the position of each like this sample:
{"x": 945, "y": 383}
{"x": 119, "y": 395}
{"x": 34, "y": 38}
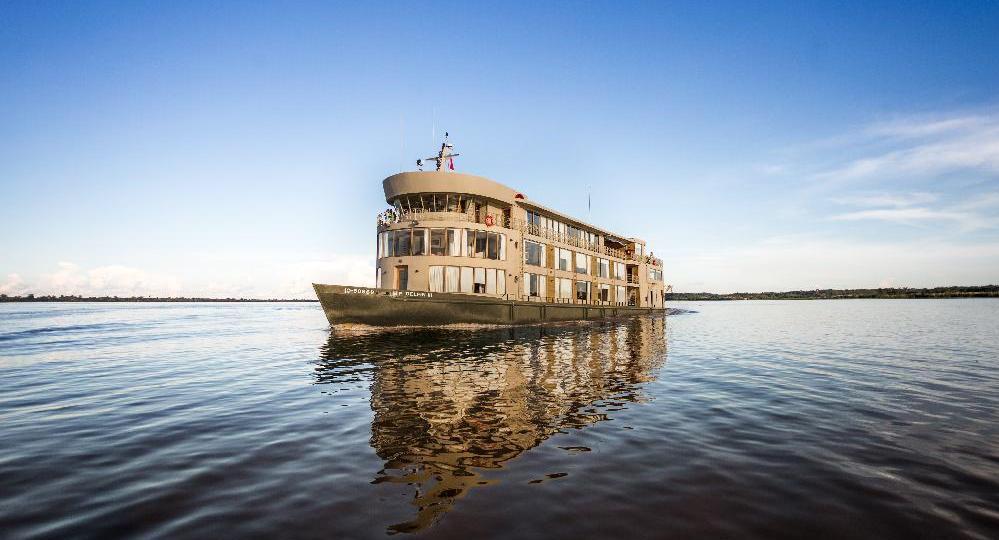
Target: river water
{"x": 832, "y": 419}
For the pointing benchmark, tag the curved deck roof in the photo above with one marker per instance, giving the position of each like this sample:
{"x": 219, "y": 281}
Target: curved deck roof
{"x": 414, "y": 182}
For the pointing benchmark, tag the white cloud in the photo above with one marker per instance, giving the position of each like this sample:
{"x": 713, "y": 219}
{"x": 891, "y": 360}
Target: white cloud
{"x": 919, "y": 147}
{"x": 12, "y": 285}
{"x": 255, "y": 276}
{"x": 970, "y": 215}
{"x": 110, "y": 280}
{"x": 822, "y": 263}
{"x": 888, "y": 199}
{"x": 968, "y": 221}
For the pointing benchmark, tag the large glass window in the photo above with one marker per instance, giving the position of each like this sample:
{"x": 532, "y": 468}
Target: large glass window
{"x": 454, "y": 242}
{"x": 534, "y": 285}
{"x": 490, "y": 281}
{"x": 438, "y": 241}
{"x": 603, "y": 268}
{"x": 619, "y": 295}
{"x": 583, "y": 290}
{"x": 564, "y": 255}
{"x": 436, "y": 279}
{"x": 479, "y": 283}
{"x": 533, "y": 253}
{"x": 481, "y": 240}
{"x": 582, "y": 264}
{"x": 419, "y": 242}
{"x": 603, "y": 293}
{"x": 492, "y": 251}
{"x": 400, "y": 243}
{"x": 618, "y": 270}
{"x": 466, "y": 279}
{"x": 563, "y": 288}
{"x": 451, "y": 281}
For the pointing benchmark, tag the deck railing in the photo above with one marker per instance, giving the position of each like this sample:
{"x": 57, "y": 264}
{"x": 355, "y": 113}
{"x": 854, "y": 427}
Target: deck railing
{"x": 572, "y": 301}
{"x": 391, "y": 216}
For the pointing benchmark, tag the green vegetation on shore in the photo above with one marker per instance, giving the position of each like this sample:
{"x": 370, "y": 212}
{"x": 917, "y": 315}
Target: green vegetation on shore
{"x": 76, "y": 298}
{"x": 983, "y": 291}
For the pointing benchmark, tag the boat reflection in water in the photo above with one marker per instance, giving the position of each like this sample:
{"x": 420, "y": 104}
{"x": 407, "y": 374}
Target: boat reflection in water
{"x": 451, "y": 403}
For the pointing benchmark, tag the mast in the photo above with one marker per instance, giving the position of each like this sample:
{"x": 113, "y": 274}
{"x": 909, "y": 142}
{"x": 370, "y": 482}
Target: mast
{"x": 445, "y": 154}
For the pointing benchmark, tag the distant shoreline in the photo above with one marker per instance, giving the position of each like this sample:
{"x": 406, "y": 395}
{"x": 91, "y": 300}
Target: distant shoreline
{"x": 983, "y": 291}
{"x": 73, "y": 298}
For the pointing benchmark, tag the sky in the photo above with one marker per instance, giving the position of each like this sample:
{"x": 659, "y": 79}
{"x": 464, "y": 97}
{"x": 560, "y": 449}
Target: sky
{"x": 238, "y": 148}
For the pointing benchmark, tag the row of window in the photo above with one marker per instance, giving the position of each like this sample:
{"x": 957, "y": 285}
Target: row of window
{"x": 466, "y": 279}
{"x": 453, "y": 242}
{"x": 534, "y": 218}
{"x": 437, "y": 202}
{"x": 568, "y": 260}
{"x": 537, "y": 285}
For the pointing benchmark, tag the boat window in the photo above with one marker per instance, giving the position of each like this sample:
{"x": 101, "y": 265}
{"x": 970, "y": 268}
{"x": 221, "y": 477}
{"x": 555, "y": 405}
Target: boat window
{"x": 564, "y": 255}
{"x": 436, "y": 279}
{"x": 534, "y": 284}
{"x": 419, "y": 242}
{"x": 400, "y": 243}
{"x": 480, "y": 244}
{"x": 438, "y": 245}
{"x": 479, "y": 283}
{"x": 453, "y": 242}
{"x": 563, "y": 288}
{"x": 466, "y": 279}
{"x": 451, "y": 281}
{"x": 490, "y": 281}
{"x": 532, "y": 253}
{"x": 493, "y": 249}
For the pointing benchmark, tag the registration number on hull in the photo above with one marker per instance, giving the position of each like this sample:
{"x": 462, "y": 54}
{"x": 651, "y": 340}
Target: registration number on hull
{"x": 372, "y": 292}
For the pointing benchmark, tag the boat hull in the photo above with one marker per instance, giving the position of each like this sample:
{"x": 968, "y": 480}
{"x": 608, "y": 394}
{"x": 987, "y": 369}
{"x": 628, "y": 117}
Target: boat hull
{"x": 387, "y": 307}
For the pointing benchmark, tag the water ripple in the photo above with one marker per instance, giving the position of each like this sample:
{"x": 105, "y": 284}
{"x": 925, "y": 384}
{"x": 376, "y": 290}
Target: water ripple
{"x": 740, "y": 419}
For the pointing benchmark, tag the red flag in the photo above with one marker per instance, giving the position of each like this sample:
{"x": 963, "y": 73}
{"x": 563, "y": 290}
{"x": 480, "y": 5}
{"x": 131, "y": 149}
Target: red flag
{"x": 450, "y": 163}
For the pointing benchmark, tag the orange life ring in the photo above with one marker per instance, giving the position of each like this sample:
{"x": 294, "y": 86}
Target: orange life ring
{"x": 489, "y": 221}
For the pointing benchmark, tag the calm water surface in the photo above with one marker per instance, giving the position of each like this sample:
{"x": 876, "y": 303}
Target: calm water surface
{"x": 829, "y": 419}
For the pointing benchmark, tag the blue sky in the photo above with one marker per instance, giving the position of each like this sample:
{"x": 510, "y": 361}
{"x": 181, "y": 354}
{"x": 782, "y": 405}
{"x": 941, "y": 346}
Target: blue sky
{"x": 238, "y": 148}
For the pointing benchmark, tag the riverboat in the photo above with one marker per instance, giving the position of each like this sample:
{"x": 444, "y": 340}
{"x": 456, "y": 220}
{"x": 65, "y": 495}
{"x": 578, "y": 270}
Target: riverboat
{"x": 457, "y": 248}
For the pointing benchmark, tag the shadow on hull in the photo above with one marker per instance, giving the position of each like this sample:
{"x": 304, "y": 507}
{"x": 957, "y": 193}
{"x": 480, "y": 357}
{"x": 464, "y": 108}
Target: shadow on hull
{"x": 385, "y": 307}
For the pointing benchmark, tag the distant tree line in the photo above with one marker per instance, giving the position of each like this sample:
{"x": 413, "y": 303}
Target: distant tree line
{"x": 77, "y": 298}
{"x": 983, "y": 291}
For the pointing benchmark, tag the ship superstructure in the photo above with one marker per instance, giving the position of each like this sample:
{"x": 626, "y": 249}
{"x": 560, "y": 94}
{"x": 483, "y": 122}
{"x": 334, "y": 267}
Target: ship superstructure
{"x": 460, "y": 236}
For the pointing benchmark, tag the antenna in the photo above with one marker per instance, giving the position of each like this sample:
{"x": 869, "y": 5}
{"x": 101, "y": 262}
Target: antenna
{"x": 445, "y": 154}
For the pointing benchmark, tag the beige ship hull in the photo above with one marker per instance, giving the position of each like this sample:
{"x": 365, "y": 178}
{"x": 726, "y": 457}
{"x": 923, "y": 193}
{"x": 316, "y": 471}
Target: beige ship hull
{"x": 387, "y": 307}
